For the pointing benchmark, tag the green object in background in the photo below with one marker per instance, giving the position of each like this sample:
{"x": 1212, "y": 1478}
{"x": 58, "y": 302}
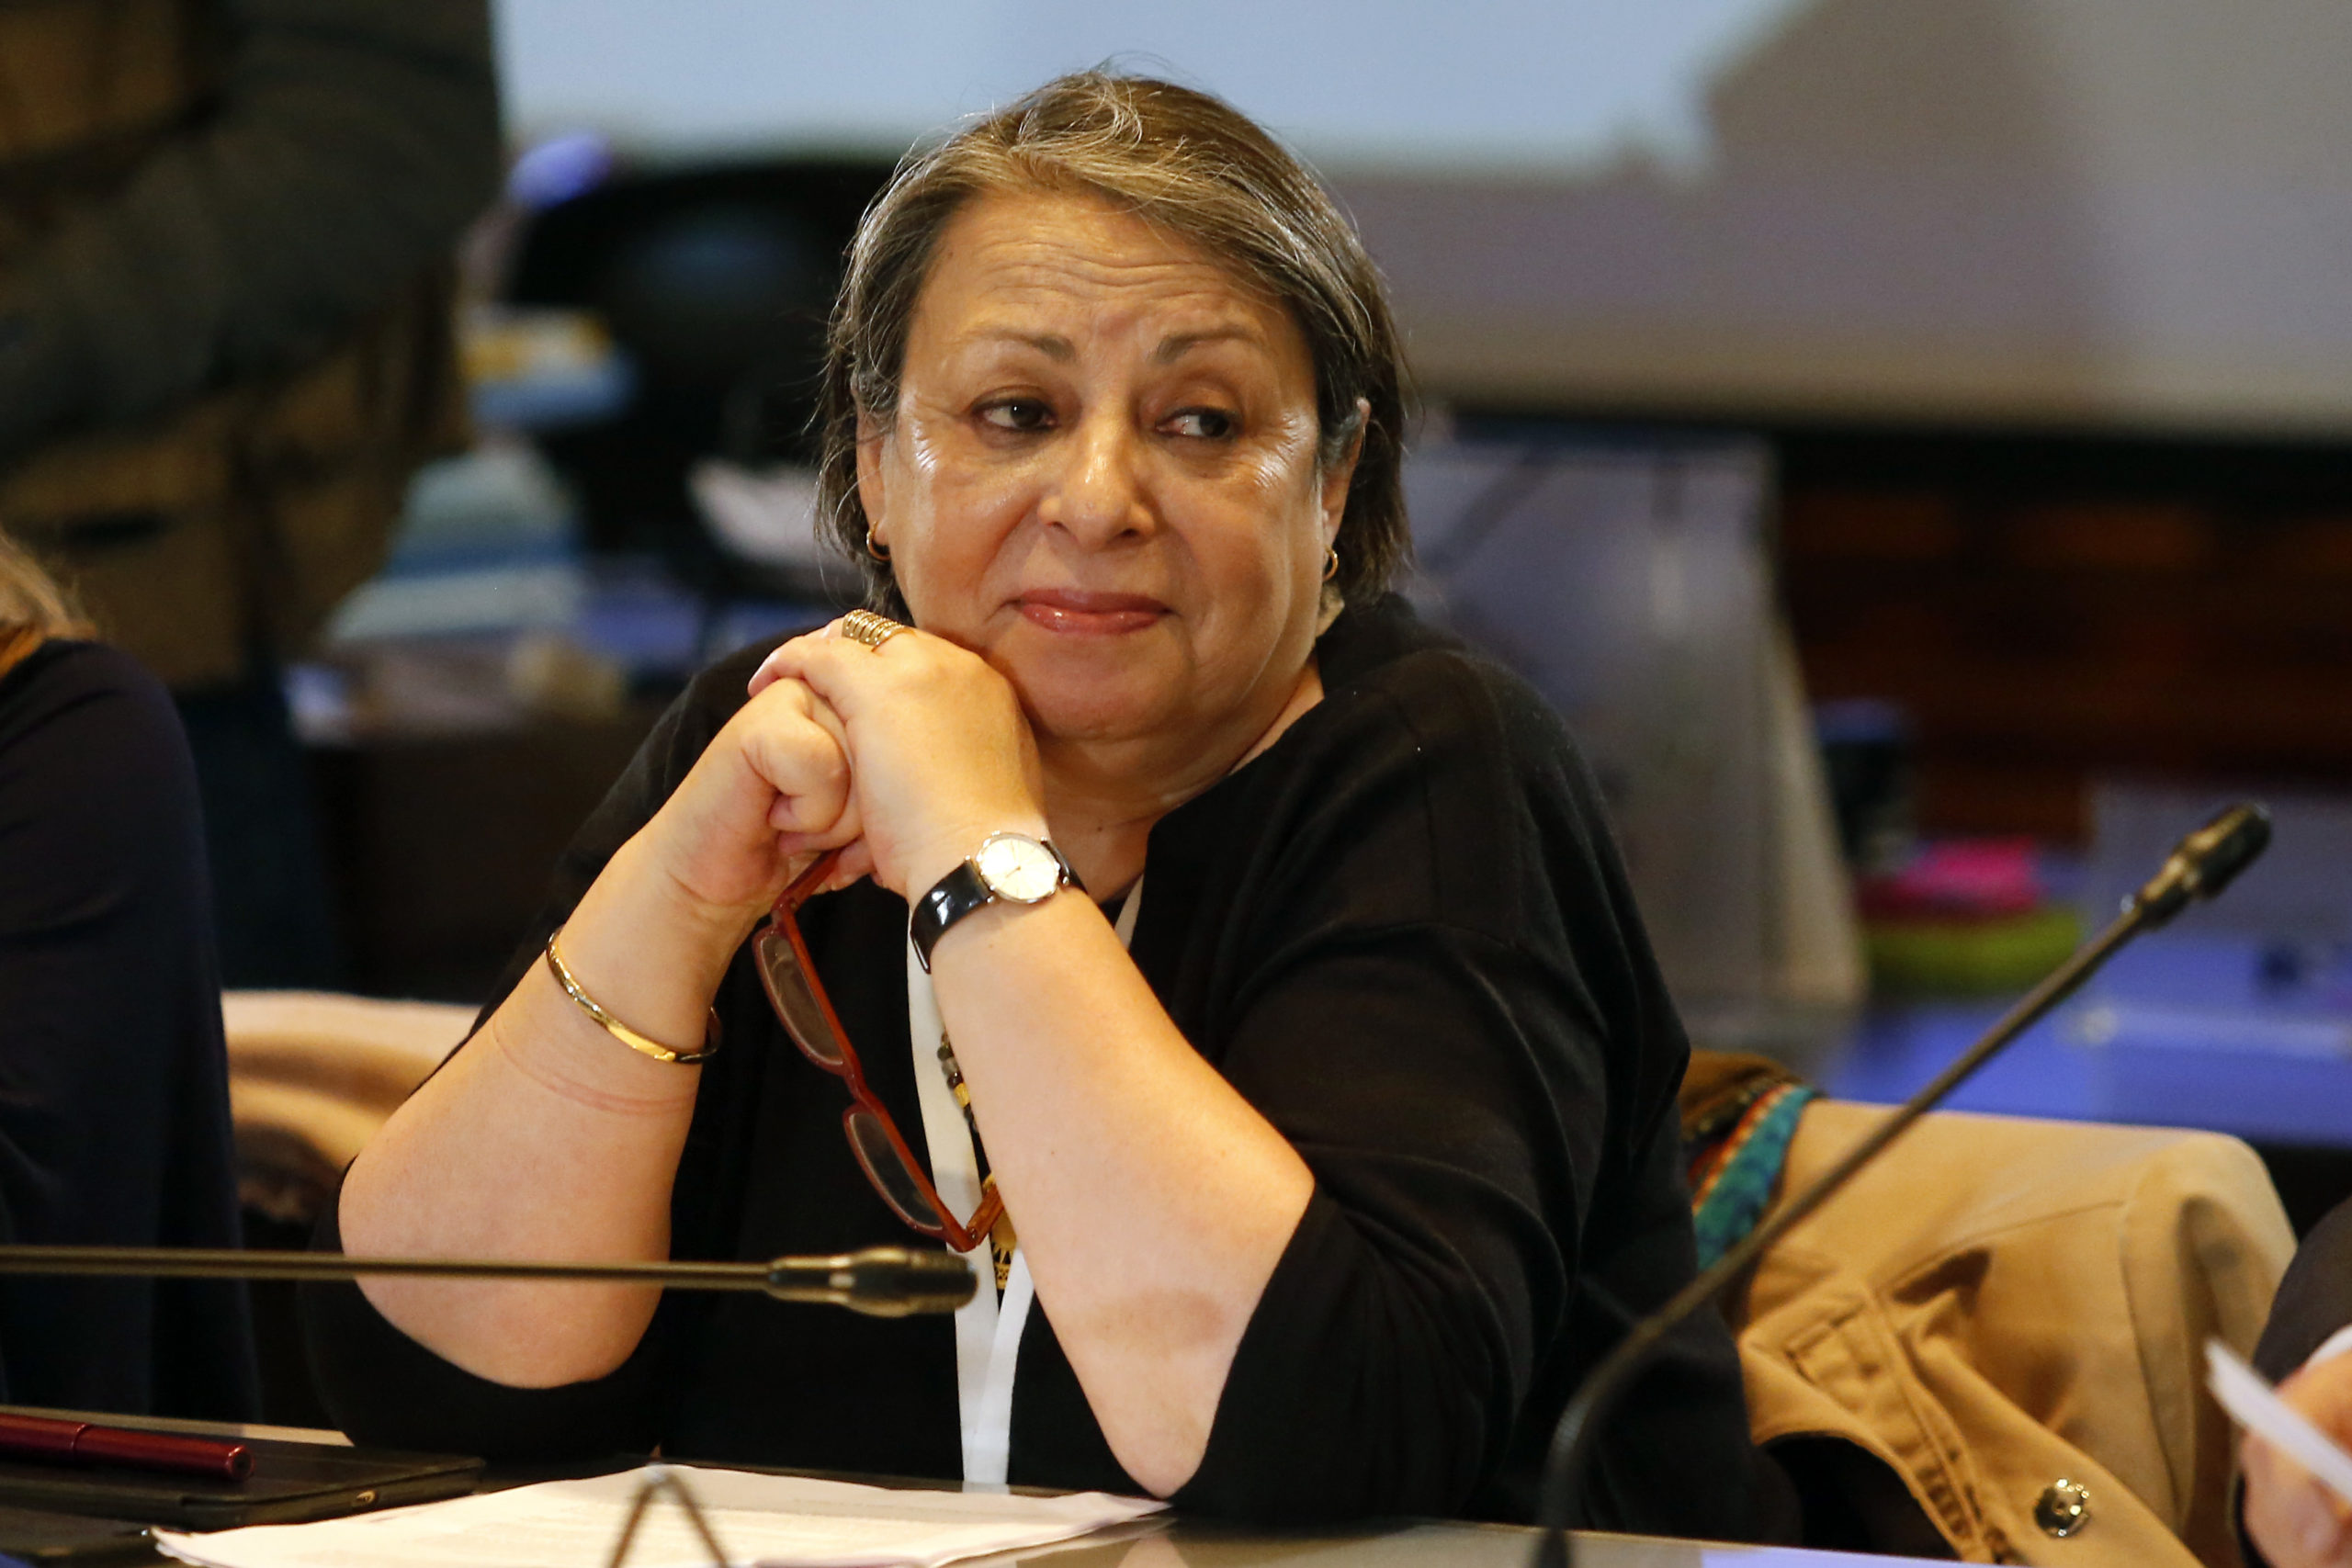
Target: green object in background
{"x": 1968, "y": 958}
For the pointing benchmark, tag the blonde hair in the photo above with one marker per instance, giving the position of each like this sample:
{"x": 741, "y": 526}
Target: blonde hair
{"x": 33, "y": 607}
{"x": 1193, "y": 166}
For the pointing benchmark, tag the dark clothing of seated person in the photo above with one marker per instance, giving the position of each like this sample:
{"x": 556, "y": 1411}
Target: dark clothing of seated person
{"x": 2291, "y": 1520}
{"x": 226, "y": 340}
{"x": 1332, "y": 1146}
{"x": 114, "y": 1090}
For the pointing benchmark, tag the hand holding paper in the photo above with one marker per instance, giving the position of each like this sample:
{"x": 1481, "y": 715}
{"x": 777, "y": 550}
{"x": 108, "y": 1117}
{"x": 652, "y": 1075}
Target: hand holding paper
{"x": 2298, "y": 1478}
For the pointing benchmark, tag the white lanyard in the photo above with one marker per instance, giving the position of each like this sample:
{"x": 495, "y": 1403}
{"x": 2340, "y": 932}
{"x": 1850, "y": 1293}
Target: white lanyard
{"x": 988, "y": 1334}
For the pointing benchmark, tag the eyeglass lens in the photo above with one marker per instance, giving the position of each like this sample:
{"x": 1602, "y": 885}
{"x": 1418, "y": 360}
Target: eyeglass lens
{"x": 795, "y": 1001}
{"x": 888, "y": 1170}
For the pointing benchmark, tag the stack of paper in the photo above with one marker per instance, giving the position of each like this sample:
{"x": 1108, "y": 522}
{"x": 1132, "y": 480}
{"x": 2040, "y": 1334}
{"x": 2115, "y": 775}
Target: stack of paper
{"x": 771, "y": 1520}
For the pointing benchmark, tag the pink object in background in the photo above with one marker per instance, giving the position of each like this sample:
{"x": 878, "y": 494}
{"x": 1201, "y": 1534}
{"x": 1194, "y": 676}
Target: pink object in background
{"x": 1957, "y": 879}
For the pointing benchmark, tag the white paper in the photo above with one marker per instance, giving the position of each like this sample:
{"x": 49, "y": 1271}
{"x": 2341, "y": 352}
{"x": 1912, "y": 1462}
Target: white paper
{"x": 2248, "y": 1396}
{"x": 771, "y": 1520}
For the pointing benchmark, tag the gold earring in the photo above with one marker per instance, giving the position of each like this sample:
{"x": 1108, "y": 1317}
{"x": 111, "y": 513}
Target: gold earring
{"x": 879, "y": 552}
{"x": 1330, "y": 562}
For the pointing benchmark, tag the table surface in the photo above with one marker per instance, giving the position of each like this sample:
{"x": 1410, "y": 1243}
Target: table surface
{"x": 1427, "y": 1544}
{"x": 2202, "y": 1077}
{"x": 2205, "y": 1030}
{"x": 1179, "y": 1542}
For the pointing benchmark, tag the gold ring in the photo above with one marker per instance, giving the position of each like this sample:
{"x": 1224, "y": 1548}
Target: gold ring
{"x": 873, "y": 630}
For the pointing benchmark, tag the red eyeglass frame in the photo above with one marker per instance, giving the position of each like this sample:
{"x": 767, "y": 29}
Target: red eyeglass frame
{"x": 785, "y": 919}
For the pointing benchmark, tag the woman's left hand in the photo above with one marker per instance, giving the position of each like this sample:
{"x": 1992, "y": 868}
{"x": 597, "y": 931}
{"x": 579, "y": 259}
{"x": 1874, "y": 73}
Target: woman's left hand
{"x": 941, "y": 755}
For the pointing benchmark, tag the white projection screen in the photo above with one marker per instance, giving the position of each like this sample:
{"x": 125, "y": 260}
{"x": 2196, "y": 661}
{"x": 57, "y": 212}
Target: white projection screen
{"x": 2124, "y": 214}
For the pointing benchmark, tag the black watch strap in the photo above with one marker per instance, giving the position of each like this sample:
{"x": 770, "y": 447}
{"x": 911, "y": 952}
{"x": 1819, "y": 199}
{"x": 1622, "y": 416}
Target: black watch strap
{"x": 951, "y": 898}
{"x": 959, "y": 893}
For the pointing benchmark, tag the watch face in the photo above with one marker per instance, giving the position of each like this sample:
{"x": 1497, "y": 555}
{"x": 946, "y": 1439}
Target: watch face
{"x": 1018, "y": 868}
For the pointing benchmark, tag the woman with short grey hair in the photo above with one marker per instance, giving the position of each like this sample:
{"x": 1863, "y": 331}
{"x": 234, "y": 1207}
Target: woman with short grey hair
{"x": 1163, "y": 913}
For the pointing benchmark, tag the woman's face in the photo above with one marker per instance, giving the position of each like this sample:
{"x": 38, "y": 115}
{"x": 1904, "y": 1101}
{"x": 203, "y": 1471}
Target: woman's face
{"x": 1103, "y": 476}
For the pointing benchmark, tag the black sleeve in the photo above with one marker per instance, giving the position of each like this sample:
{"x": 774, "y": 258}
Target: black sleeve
{"x": 385, "y": 1389}
{"x": 381, "y": 1386}
{"x": 2314, "y": 1299}
{"x": 354, "y": 140}
{"x": 113, "y": 1113}
{"x": 1424, "y": 1276}
{"x": 1461, "y": 1031}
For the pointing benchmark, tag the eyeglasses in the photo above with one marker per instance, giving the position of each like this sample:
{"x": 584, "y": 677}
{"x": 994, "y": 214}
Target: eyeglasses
{"x": 807, "y": 1013}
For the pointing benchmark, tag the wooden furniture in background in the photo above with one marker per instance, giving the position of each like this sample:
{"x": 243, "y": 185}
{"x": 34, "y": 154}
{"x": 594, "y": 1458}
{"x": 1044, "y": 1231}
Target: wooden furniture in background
{"x": 2054, "y": 609}
{"x": 442, "y": 846}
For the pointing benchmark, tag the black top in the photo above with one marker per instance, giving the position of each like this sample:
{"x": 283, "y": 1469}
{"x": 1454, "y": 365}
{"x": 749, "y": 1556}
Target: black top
{"x": 114, "y": 1082}
{"x": 1403, "y": 934}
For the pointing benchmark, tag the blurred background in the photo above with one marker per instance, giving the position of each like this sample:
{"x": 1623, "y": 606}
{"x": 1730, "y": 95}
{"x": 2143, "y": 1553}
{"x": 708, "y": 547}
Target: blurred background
{"x": 1910, "y": 439}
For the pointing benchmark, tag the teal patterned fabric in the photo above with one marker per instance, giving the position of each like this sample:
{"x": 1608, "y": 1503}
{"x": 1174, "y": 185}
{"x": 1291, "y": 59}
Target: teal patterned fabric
{"x": 1742, "y": 1190}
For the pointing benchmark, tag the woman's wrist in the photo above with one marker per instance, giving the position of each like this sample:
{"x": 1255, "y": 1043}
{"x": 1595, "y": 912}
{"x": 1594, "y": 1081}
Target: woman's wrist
{"x": 941, "y": 851}
{"x": 649, "y": 950}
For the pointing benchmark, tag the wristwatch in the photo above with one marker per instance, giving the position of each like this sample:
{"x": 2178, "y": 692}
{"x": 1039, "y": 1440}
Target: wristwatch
{"x": 1011, "y": 868}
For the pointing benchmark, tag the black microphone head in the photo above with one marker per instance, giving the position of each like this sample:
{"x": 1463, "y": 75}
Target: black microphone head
{"x": 2205, "y": 862}
{"x": 897, "y": 1281}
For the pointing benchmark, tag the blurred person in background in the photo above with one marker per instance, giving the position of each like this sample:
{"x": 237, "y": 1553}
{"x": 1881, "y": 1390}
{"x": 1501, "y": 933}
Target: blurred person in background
{"x": 225, "y": 342}
{"x": 114, "y": 1081}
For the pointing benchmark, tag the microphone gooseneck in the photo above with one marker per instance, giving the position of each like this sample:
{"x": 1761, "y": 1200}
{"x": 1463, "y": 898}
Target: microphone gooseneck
{"x": 880, "y": 1281}
{"x": 2199, "y": 866}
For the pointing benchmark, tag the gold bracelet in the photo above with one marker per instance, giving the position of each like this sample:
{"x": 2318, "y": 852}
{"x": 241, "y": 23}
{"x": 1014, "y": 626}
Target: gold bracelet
{"x": 622, "y": 1032}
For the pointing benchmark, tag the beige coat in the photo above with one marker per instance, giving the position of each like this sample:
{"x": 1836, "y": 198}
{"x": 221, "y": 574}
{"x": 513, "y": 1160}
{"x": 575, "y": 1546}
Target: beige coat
{"x": 2006, "y": 1304}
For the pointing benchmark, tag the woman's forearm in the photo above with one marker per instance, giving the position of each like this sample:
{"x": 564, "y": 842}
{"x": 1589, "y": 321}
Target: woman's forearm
{"x": 1152, "y": 1201}
{"x": 547, "y": 1138}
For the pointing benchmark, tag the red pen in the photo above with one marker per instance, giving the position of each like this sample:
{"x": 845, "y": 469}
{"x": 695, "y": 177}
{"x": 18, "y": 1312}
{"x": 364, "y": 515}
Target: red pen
{"x": 84, "y": 1442}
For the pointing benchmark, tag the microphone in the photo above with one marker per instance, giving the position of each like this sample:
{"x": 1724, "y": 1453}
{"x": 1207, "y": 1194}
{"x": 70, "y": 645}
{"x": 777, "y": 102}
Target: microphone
{"x": 2199, "y": 868}
{"x": 880, "y": 1281}
{"x": 2203, "y": 864}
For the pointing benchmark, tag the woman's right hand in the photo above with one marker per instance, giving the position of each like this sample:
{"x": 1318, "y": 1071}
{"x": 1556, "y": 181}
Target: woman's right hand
{"x": 771, "y": 790}
{"x": 546, "y": 1138}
